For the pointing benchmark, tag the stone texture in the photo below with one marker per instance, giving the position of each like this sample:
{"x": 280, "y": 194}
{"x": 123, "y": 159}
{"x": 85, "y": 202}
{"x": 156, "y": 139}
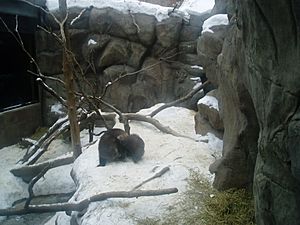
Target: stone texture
{"x": 137, "y": 52}
{"x": 107, "y": 43}
{"x": 190, "y": 59}
{"x": 188, "y": 47}
{"x": 116, "y": 71}
{"x": 260, "y": 89}
{"x": 77, "y": 38}
{"x": 210, "y": 113}
{"x": 116, "y": 52}
{"x": 209, "y": 46}
{"x": 202, "y": 126}
{"x": 93, "y": 45}
{"x": 120, "y": 51}
{"x": 114, "y": 23}
{"x": 168, "y": 31}
{"x": 81, "y": 23}
{"x": 272, "y": 80}
{"x": 189, "y": 33}
{"x": 147, "y": 26}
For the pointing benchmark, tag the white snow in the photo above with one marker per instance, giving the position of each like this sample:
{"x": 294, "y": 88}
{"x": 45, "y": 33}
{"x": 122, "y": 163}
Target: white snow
{"x": 181, "y": 155}
{"x": 197, "y": 6}
{"x": 136, "y": 6}
{"x": 210, "y": 101}
{"x": 196, "y": 79}
{"x": 218, "y": 19}
{"x": 92, "y": 42}
{"x": 13, "y": 188}
{"x": 57, "y": 108}
{"x": 197, "y": 67}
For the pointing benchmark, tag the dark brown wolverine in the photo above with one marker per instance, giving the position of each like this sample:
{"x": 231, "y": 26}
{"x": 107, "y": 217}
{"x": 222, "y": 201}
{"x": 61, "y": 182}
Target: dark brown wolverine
{"x": 116, "y": 144}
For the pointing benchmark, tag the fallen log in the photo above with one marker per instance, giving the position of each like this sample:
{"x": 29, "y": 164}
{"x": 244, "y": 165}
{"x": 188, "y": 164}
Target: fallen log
{"x": 83, "y": 204}
{"x": 28, "y": 172}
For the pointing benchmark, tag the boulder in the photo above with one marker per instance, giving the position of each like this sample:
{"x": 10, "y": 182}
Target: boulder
{"x": 115, "y": 71}
{"x": 203, "y": 127}
{"x": 168, "y": 31}
{"x": 188, "y": 47}
{"x": 137, "y": 52}
{"x": 81, "y": 23}
{"x": 93, "y": 45}
{"x": 147, "y": 24}
{"x": 235, "y": 168}
{"x": 120, "y": 51}
{"x": 208, "y": 107}
{"x": 209, "y": 46}
{"x": 77, "y": 38}
{"x": 189, "y": 33}
{"x": 190, "y": 59}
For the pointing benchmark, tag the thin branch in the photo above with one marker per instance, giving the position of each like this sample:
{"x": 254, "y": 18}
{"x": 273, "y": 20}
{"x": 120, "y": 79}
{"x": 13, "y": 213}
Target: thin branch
{"x": 30, "y": 151}
{"x": 52, "y": 92}
{"x": 154, "y": 122}
{"x": 159, "y": 174}
{"x": 51, "y": 33}
{"x": 28, "y": 172}
{"x": 180, "y": 100}
{"x": 46, "y": 77}
{"x": 79, "y": 206}
{"x": 33, "y": 182}
{"x": 134, "y": 73}
{"x": 79, "y": 15}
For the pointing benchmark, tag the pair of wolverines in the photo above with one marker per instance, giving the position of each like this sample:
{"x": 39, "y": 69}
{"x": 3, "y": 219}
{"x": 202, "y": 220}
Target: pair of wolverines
{"x": 116, "y": 145}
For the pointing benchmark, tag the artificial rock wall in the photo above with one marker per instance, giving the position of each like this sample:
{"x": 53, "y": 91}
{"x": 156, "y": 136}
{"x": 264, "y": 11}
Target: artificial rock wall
{"x": 108, "y": 43}
{"x": 257, "y": 75}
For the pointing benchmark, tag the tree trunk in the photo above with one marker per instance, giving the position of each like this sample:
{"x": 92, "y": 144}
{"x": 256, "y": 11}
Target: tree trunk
{"x": 69, "y": 83}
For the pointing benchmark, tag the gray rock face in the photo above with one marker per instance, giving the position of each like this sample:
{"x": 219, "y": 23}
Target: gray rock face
{"x": 168, "y": 31}
{"x": 108, "y": 43}
{"x": 273, "y": 82}
{"x": 146, "y": 25}
{"x": 209, "y": 46}
{"x": 120, "y": 51}
{"x": 211, "y": 112}
{"x": 235, "y": 168}
{"x": 259, "y": 87}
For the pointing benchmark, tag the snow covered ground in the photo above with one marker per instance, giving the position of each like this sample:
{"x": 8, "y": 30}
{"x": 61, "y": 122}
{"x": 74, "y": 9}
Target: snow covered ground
{"x": 161, "y": 150}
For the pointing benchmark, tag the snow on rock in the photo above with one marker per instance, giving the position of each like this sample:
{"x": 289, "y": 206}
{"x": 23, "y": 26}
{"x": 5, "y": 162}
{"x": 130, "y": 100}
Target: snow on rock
{"x": 197, "y": 6}
{"x": 218, "y": 19}
{"x": 180, "y": 154}
{"x": 92, "y": 42}
{"x": 210, "y": 101}
{"x": 11, "y": 188}
{"x": 197, "y": 67}
{"x": 57, "y": 109}
{"x": 136, "y": 6}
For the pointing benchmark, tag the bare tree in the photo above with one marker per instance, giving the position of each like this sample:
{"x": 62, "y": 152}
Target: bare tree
{"x": 69, "y": 80}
